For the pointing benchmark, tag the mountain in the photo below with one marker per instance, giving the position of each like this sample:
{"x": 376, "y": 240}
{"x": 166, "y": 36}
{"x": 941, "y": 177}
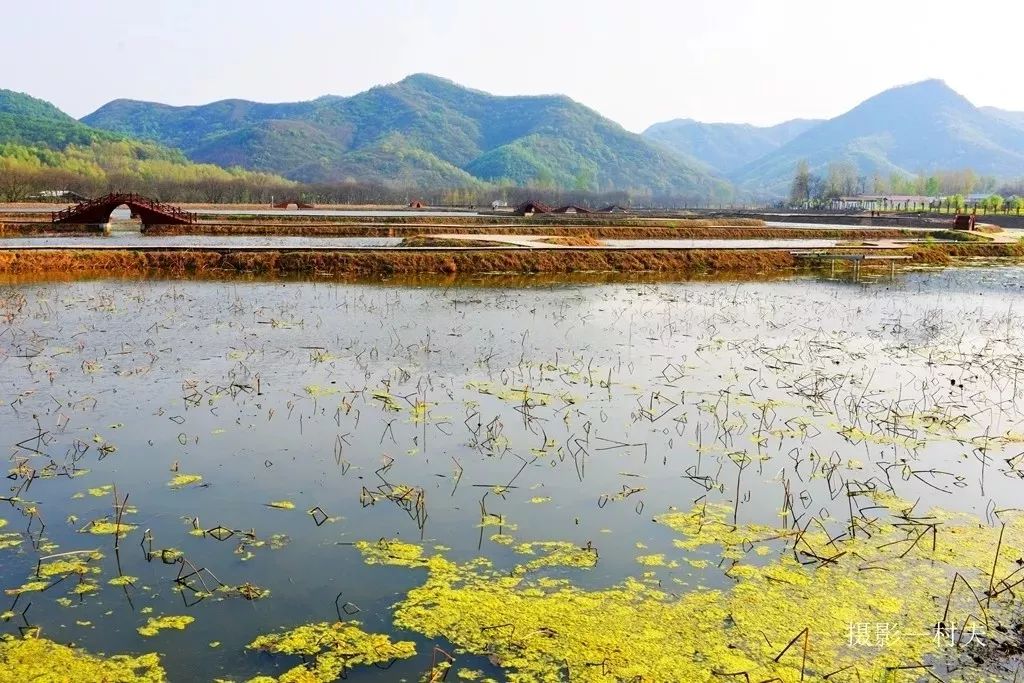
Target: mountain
{"x": 423, "y": 131}
{"x": 1015, "y": 118}
{"x": 910, "y": 129}
{"x": 724, "y": 147}
{"x": 25, "y": 120}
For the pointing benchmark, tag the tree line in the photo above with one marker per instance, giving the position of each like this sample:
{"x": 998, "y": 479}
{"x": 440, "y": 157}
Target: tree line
{"x": 101, "y": 167}
{"x": 843, "y": 179}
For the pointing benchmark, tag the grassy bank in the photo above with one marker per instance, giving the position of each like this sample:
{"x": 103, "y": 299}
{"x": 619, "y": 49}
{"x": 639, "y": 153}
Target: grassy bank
{"x": 388, "y": 262}
{"x": 391, "y": 261}
{"x": 27, "y": 229}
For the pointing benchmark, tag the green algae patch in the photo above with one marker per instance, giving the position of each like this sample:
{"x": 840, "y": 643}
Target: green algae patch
{"x": 857, "y": 606}
{"x": 335, "y": 647}
{"x": 156, "y": 624}
{"x": 281, "y": 505}
{"x": 38, "y": 659}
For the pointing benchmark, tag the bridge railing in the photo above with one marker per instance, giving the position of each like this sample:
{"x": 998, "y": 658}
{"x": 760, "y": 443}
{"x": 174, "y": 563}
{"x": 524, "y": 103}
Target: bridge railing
{"x": 131, "y": 199}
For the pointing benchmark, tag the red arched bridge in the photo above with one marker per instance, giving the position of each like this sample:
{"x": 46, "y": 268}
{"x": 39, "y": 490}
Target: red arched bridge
{"x": 97, "y": 211}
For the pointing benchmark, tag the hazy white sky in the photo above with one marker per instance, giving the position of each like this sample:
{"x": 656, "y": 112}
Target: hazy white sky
{"x": 635, "y": 61}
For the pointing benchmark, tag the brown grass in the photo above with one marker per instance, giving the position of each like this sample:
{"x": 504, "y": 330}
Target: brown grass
{"x": 429, "y": 241}
{"x": 940, "y": 254}
{"x": 391, "y": 261}
{"x": 440, "y": 261}
{"x": 573, "y": 241}
{"x": 23, "y": 229}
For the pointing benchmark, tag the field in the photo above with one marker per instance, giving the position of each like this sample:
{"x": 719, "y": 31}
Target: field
{"x": 524, "y": 452}
{"x": 596, "y": 481}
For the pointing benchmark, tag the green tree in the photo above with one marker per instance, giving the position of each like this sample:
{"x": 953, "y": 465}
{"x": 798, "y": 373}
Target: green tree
{"x": 800, "y": 191}
{"x": 956, "y": 202}
{"x": 931, "y": 186}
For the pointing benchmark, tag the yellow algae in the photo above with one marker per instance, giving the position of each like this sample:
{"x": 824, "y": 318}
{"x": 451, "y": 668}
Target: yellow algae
{"x": 123, "y": 580}
{"x": 101, "y": 491}
{"x": 3, "y": 522}
{"x": 556, "y": 554}
{"x": 317, "y": 391}
{"x": 711, "y": 524}
{"x": 867, "y": 604}
{"x": 420, "y": 412}
{"x": 392, "y": 552}
{"x": 336, "y": 647}
{"x": 10, "y": 540}
{"x": 497, "y": 520}
{"x": 537, "y": 500}
{"x": 183, "y": 480}
{"x": 104, "y": 527}
{"x": 75, "y": 565}
{"x": 29, "y": 587}
{"x": 281, "y": 505}
{"x": 156, "y": 624}
{"x": 38, "y": 659}
{"x": 656, "y": 560}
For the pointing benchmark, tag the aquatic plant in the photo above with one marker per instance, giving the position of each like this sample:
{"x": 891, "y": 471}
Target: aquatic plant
{"x": 335, "y": 648}
{"x": 154, "y": 625}
{"x": 38, "y": 659}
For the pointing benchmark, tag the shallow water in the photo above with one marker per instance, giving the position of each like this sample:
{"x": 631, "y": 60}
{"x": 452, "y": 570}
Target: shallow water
{"x": 576, "y": 412}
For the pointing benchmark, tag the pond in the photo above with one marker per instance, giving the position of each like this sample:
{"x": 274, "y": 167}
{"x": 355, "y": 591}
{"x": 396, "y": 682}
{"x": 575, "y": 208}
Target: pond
{"x": 596, "y": 480}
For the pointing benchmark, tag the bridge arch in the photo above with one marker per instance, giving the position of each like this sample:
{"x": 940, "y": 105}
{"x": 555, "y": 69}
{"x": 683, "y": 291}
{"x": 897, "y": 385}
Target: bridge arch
{"x": 97, "y": 211}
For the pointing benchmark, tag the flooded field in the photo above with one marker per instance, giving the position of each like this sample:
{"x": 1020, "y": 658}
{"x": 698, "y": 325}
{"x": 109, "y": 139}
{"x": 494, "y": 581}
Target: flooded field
{"x": 509, "y": 480}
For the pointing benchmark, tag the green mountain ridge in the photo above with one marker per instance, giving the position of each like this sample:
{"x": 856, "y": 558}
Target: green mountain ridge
{"x": 26, "y": 120}
{"x": 724, "y": 147}
{"x": 422, "y": 131}
{"x": 910, "y": 130}
{"x": 42, "y": 148}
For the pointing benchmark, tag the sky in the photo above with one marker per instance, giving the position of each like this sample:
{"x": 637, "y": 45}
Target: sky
{"x": 635, "y": 61}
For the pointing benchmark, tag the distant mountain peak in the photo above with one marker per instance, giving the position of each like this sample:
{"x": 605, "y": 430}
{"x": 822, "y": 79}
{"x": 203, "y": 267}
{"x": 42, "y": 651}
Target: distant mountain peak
{"x": 932, "y": 92}
{"x": 424, "y": 131}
